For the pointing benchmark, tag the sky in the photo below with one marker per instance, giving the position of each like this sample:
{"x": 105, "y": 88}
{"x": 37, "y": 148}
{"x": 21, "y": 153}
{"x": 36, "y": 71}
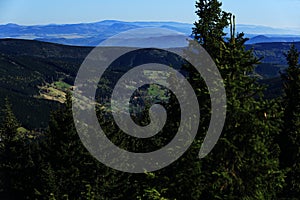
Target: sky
{"x": 274, "y": 13}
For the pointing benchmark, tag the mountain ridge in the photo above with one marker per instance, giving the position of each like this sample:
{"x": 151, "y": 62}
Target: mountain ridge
{"x": 91, "y": 34}
{"x": 30, "y": 70}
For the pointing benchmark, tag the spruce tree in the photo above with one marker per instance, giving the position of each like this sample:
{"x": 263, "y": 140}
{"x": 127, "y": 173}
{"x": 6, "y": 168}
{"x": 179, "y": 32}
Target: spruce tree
{"x": 63, "y": 156}
{"x": 209, "y": 29}
{"x": 69, "y": 171}
{"x": 16, "y": 164}
{"x": 290, "y": 135}
{"x": 10, "y": 140}
{"x": 244, "y": 163}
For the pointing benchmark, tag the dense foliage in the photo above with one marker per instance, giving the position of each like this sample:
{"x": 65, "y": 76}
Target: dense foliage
{"x": 257, "y": 156}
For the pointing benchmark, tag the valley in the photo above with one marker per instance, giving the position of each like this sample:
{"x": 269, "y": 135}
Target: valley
{"x": 34, "y": 75}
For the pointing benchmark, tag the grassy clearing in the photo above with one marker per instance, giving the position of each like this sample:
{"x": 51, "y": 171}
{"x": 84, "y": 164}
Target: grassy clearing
{"x": 62, "y": 85}
{"x": 55, "y": 91}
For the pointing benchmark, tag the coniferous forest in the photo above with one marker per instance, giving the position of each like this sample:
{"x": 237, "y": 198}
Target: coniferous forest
{"x": 256, "y": 157}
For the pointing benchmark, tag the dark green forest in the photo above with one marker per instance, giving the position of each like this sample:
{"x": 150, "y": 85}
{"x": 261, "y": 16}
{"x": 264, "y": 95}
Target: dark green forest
{"x": 256, "y": 157}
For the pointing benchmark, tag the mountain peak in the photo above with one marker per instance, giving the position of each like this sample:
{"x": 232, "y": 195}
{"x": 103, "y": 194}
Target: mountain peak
{"x": 108, "y": 22}
{"x": 11, "y": 25}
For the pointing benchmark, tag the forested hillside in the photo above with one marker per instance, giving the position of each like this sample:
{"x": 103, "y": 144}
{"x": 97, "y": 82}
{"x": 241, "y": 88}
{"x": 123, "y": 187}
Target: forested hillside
{"x": 31, "y": 68}
{"x": 256, "y": 157}
{"x": 26, "y": 66}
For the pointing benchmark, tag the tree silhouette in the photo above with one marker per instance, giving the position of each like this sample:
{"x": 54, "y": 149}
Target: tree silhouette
{"x": 290, "y": 135}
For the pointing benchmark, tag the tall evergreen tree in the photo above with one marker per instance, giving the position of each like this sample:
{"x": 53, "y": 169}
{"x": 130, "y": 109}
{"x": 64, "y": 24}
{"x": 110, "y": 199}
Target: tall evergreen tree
{"x": 69, "y": 171}
{"x": 244, "y": 163}
{"x": 10, "y": 142}
{"x": 290, "y": 135}
{"x": 209, "y": 29}
{"x": 64, "y": 156}
{"x": 16, "y": 164}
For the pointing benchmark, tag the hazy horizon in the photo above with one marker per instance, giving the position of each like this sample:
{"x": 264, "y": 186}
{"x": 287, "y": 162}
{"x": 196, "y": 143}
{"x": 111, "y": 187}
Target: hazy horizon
{"x": 153, "y": 21}
{"x": 270, "y": 13}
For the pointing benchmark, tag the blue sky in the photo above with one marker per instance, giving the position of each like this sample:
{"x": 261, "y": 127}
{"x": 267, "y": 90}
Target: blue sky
{"x": 275, "y": 13}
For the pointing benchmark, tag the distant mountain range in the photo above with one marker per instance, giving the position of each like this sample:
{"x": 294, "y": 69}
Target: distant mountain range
{"x": 91, "y": 34}
{"x": 84, "y": 34}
